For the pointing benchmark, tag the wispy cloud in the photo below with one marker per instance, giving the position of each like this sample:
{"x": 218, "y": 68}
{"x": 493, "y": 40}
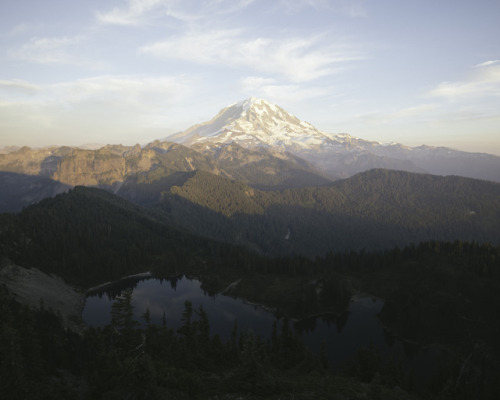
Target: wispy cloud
{"x": 280, "y": 93}
{"x": 419, "y": 112}
{"x": 19, "y": 85}
{"x": 297, "y": 5}
{"x": 413, "y": 112}
{"x": 134, "y": 13}
{"x": 488, "y": 63}
{"x": 351, "y": 8}
{"x": 140, "y": 94}
{"x": 484, "y": 80}
{"x": 55, "y": 50}
{"x": 254, "y": 83}
{"x": 214, "y": 47}
{"x": 18, "y": 30}
{"x": 354, "y": 9}
{"x": 47, "y": 50}
{"x": 143, "y": 92}
{"x": 297, "y": 59}
{"x": 141, "y": 12}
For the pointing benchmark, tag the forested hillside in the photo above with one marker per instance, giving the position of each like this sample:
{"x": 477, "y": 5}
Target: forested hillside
{"x": 373, "y": 210}
{"x": 88, "y": 236}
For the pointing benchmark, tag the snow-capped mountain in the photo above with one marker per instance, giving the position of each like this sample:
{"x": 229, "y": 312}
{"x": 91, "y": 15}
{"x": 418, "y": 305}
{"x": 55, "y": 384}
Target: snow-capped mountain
{"x": 256, "y": 123}
{"x": 251, "y": 123}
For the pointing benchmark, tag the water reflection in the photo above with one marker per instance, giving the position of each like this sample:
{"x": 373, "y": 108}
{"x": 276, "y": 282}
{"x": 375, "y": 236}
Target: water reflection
{"x": 114, "y": 289}
{"x": 343, "y": 335}
{"x": 166, "y": 298}
{"x": 330, "y": 321}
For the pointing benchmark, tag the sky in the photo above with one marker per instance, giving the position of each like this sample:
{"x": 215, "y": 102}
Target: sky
{"x": 131, "y": 71}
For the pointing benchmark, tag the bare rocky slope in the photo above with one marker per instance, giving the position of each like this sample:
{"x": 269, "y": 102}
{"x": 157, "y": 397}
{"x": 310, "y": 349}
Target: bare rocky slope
{"x": 35, "y": 289}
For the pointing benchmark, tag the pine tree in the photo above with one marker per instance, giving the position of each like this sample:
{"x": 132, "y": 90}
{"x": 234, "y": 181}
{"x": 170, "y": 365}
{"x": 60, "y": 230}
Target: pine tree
{"x": 122, "y": 319}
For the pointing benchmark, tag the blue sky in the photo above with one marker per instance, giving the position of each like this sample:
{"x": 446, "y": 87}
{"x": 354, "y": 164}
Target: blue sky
{"x": 131, "y": 71}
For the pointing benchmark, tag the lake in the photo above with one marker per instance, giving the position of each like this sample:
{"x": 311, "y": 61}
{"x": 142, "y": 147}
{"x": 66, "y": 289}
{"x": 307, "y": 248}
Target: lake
{"x": 357, "y": 328}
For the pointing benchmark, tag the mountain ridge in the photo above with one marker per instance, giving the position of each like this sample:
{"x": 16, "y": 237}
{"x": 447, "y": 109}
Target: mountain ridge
{"x": 254, "y": 123}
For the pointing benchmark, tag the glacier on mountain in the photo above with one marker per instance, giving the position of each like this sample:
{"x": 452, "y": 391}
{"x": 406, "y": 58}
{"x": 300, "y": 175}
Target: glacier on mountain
{"x": 254, "y": 122}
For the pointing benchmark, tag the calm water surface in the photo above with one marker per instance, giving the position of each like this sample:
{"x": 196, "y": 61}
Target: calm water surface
{"x": 167, "y": 297}
{"x": 358, "y": 328}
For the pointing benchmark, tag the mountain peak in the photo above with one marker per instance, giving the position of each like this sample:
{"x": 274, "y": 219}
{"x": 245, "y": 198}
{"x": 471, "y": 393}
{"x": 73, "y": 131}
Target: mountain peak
{"x": 253, "y": 122}
{"x": 247, "y": 103}
{"x": 256, "y": 104}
